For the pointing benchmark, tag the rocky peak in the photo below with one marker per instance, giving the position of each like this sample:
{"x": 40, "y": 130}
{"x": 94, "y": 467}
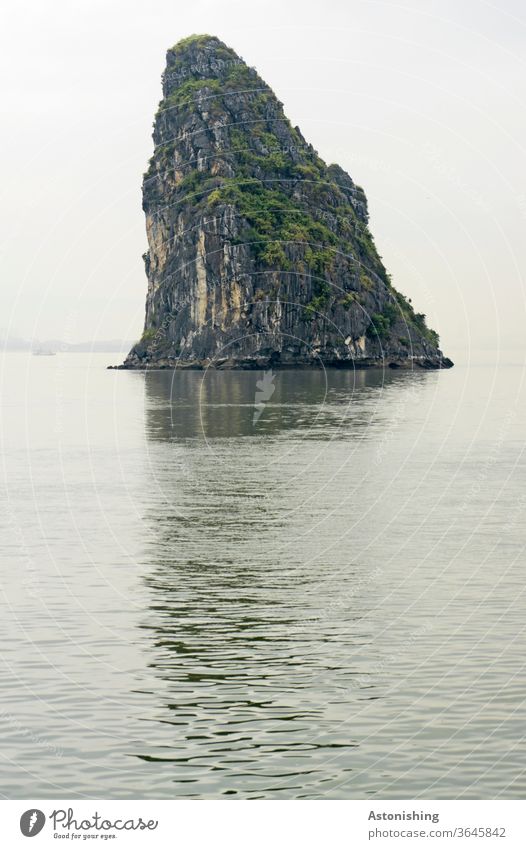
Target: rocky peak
{"x": 258, "y": 251}
{"x": 199, "y": 57}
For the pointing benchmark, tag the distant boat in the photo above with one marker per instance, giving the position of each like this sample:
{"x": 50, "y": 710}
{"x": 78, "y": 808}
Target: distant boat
{"x": 43, "y": 352}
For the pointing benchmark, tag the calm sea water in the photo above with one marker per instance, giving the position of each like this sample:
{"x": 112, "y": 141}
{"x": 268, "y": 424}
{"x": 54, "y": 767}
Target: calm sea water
{"x": 313, "y": 588}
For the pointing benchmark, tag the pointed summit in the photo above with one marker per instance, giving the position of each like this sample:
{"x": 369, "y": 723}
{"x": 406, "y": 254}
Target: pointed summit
{"x": 197, "y": 57}
{"x": 259, "y": 253}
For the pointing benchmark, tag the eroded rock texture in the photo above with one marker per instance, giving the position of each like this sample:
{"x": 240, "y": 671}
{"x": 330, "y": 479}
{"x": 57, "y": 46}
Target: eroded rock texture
{"x": 259, "y": 253}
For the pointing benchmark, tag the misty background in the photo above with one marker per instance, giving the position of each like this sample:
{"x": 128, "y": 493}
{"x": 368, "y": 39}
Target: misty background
{"x": 421, "y": 102}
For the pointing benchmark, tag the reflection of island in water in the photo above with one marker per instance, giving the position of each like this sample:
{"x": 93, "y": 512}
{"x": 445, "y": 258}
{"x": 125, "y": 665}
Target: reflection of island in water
{"x": 183, "y": 404}
{"x": 261, "y": 574}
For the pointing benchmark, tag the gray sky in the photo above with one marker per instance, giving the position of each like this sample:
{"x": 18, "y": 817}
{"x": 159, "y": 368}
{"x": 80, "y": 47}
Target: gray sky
{"x": 421, "y": 101}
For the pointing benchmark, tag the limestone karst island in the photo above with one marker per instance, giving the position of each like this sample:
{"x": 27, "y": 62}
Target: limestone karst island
{"x": 259, "y": 253}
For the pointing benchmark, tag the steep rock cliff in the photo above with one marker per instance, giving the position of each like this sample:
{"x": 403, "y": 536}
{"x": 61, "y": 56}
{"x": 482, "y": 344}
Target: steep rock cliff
{"x": 259, "y": 253}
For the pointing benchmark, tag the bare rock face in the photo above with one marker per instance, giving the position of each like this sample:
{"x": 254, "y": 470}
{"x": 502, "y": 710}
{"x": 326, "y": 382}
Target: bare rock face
{"x": 259, "y": 253}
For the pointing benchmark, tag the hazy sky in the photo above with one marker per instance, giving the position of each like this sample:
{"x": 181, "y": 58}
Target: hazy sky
{"x": 421, "y": 101}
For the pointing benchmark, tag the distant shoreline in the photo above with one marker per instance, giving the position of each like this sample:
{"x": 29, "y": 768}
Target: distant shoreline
{"x": 109, "y": 347}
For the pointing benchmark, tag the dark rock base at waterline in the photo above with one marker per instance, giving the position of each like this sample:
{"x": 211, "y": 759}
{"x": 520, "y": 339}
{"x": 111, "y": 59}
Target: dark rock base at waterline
{"x": 427, "y": 363}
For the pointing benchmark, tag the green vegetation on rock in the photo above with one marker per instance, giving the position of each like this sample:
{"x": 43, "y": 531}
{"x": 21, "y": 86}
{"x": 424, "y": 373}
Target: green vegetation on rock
{"x": 232, "y": 177}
